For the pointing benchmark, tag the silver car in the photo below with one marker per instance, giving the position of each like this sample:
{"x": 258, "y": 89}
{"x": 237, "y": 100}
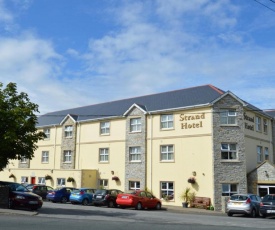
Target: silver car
{"x": 248, "y": 204}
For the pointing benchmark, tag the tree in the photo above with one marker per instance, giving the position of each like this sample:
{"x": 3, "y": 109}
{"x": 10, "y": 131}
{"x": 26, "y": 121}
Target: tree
{"x": 18, "y": 132}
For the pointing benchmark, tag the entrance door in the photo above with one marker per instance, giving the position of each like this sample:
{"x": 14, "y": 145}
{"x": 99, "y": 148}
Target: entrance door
{"x": 32, "y": 180}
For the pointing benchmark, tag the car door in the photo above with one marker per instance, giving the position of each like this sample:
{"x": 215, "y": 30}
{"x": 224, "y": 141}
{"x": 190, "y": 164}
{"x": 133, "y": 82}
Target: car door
{"x": 143, "y": 199}
{"x": 151, "y": 201}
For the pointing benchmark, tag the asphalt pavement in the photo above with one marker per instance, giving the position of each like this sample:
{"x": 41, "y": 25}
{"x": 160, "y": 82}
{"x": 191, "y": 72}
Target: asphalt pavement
{"x": 169, "y": 208}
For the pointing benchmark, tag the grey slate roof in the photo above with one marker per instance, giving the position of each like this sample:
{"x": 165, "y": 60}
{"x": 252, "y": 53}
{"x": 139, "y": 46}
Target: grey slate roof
{"x": 156, "y": 102}
{"x": 270, "y": 112}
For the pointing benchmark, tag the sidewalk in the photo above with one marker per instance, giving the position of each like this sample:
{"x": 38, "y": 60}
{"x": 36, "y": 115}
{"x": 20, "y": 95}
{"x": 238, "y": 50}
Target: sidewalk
{"x": 169, "y": 208}
{"x": 178, "y": 209}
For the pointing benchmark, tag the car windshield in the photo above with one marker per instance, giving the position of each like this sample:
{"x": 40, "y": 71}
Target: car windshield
{"x": 238, "y": 197}
{"x": 100, "y": 192}
{"x": 269, "y": 198}
{"x": 18, "y": 187}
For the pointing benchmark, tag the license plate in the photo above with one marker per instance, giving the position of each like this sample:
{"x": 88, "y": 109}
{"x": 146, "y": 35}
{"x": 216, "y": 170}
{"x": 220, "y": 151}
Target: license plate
{"x": 124, "y": 197}
{"x": 33, "y": 202}
{"x": 98, "y": 196}
{"x": 237, "y": 204}
{"x": 270, "y": 211}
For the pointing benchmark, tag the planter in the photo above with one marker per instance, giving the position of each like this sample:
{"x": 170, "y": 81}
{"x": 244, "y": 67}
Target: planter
{"x": 115, "y": 178}
{"x": 11, "y": 176}
{"x": 48, "y": 177}
{"x": 185, "y": 204}
{"x": 70, "y": 179}
{"x": 191, "y": 180}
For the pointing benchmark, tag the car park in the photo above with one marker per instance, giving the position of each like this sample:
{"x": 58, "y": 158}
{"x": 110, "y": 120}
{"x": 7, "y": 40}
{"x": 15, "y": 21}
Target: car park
{"x": 248, "y": 204}
{"x": 139, "y": 200}
{"x": 267, "y": 206}
{"x": 61, "y": 194}
{"x": 21, "y": 197}
{"x": 82, "y": 196}
{"x": 41, "y": 190}
{"x": 106, "y": 197}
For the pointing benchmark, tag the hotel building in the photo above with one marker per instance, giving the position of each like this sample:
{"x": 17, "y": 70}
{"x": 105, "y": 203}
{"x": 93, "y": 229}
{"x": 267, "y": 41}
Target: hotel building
{"x": 157, "y": 142}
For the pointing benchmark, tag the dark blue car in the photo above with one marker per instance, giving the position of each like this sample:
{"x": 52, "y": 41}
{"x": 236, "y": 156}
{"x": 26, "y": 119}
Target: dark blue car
{"x": 61, "y": 194}
{"x": 82, "y": 196}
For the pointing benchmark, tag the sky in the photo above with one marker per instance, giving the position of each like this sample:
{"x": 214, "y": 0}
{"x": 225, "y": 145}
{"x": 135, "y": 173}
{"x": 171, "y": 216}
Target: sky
{"x": 72, "y": 53}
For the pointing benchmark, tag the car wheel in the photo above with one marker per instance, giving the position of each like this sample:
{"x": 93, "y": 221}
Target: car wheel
{"x": 72, "y": 202}
{"x": 111, "y": 204}
{"x": 229, "y": 214}
{"x": 253, "y": 213}
{"x": 158, "y": 206}
{"x": 263, "y": 215}
{"x": 85, "y": 202}
{"x": 64, "y": 200}
{"x": 139, "y": 206}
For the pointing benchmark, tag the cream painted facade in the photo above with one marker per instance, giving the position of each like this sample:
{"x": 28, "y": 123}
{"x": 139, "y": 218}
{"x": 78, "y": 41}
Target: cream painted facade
{"x": 194, "y": 140}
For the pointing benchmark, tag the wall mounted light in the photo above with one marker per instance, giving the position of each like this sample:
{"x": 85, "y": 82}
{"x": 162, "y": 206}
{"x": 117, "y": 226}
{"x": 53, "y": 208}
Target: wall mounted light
{"x": 266, "y": 173}
{"x": 194, "y": 173}
{"x": 112, "y": 172}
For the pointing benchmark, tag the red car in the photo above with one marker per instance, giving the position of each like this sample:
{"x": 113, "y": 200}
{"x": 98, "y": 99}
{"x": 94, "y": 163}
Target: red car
{"x": 138, "y": 200}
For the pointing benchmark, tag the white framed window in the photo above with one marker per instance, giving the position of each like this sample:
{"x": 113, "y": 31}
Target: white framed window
{"x": 103, "y": 183}
{"x": 61, "y": 181}
{"x": 258, "y": 122}
{"x": 266, "y": 153}
{"x": 228, "y": 151}
{"x": 105, "y": 128}
{"x": 167, "y": 190}
{"x": 135, "y": 124}
{"x": 228, "y": 117}
{"x": 47, "y": 133}
{"x": 259, "y": 154}
{"x": 68, "y": 131}
{"x": 135, "y": 154}
{"x": 166, "y": 121}
{"x": 167, "y": 152}
{"x": 265, "y": 124}
{"x": 41, "y": 180}
{"x": 23, "y": 160}
{"x": 45, "y": 156}
{"x": 134, "y": 185}
{"x": 229, "y": 189}
{"x": 24, "y": 179}
{"x": 104, "y": 155}
{"x": 67, "y": 156}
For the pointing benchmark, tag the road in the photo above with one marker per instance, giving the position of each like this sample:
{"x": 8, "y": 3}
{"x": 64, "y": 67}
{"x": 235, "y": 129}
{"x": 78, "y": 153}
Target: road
{"x": 67, "y": 216}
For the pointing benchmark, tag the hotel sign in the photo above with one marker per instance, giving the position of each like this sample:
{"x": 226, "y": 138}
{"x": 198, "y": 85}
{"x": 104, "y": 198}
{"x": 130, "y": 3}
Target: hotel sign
{"x": 248, "y": 119}
{"x": 192, "y": 121}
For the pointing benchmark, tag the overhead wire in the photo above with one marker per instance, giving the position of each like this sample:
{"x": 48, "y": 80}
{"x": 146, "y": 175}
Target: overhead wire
{"x": 265, "y": 5}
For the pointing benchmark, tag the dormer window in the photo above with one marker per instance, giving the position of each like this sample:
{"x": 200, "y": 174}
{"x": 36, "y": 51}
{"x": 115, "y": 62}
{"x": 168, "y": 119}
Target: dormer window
{"x": 68, "y": 131}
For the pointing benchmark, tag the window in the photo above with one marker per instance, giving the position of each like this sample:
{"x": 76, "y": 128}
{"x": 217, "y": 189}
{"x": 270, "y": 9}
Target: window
{"x": 68, "y": 131}
{"x": 45, "y": 156}
{"x": 229, "y": 189}
{"x": 167, "y": 190}
{"x": 258, "y": 124}
{"x": 41, "y": 180}
{"x": 259, "y": 154}
{"x": 47, "y": 133}
{"x": 134, "y": 185}
{"x": 265, "y": 126}
{"x": 23, "y": 160}
{"x": 266, "y": 154}
{"x": 135, "y": 154}
{"x": 103, "y": 183}
{"x": 104, "y": 128}
{"x": 167, "y": 153}
{"x": 24, "y": 179}
{"x": 228, "y": 117}
{"x": 228, "y": 151}
{"x": 166, "y": 122}
{"x": 67, "y": 156}
{"x": 103, "y": 155}
{"x": 61, "y": 181}
{"x": 135, "y": 124}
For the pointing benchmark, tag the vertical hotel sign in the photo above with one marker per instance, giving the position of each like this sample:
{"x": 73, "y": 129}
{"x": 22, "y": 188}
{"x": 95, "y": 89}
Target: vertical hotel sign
{"x": 192, "y": 121}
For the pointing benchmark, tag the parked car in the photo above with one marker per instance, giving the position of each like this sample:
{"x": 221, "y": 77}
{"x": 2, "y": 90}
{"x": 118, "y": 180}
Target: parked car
{"x": 20, "y": 196}
{"x": 248, "y": 204}
{"x": 267, "y": 206}
{"x": 61, "y": 194}
{"x": 82, "y": 196}
{"x": 139, "y": 200}
{"x": 106, "y": 197}
{"x": 41, "y": 190}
